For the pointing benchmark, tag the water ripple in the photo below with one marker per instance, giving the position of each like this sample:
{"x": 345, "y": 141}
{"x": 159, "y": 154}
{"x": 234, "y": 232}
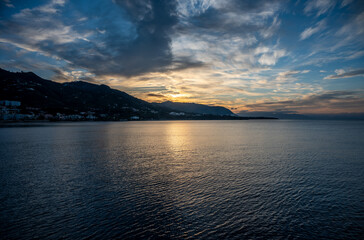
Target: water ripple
{"x": 183, "y": 180}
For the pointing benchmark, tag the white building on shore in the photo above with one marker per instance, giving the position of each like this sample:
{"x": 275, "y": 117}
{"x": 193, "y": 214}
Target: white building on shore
{"x": 9, "y": 103}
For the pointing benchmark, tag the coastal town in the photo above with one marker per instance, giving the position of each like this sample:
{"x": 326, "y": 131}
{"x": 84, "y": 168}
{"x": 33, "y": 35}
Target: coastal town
{"x": 14, "y": 111}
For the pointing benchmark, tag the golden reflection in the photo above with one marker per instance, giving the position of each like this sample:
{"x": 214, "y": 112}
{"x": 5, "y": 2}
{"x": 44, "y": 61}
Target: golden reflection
{"x": 178, "y": 136}
{"x": 181, "y": 143}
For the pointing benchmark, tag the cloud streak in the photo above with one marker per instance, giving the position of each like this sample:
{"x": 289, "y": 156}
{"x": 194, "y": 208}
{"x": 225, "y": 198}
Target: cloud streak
{"x": 349, "y": 74}
{"x": 330, "y": 101}
{"x": 319, "y": 6}
{"x": 308, "y": 32}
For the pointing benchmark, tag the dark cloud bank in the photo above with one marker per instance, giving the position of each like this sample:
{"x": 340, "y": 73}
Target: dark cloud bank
{"x": 126, "y": 37}
{"x": 111, "y": 51}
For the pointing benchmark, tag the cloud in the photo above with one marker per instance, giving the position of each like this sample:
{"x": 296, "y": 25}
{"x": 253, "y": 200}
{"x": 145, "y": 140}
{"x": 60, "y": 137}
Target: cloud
{"x": 224, "y": 34}
{"x": 234, "y": 16}
{"x": 308, "y": 32}
{"x": 344, "y": 3}
{"x": 285, "y": 76}
{"x": 272, "y": 29}
{"x": 356, "y": 54}
{"x": 340, "y": 73}
{"x": 131, "y": 38}
{"x": 329, "y": 102}
{"x": 121, "y": 38}
{"x": 155, "y": 95}
{"x": 320, "y": 6}
{"x": 8, "y": 3}
{"x": 272, "y": 57}
{"x": 31, "y": 27}
{"x": 353, "y": 28}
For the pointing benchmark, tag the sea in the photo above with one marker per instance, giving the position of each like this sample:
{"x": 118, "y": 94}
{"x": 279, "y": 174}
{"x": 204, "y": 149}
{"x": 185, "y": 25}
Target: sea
{"x": 252, "y": 179}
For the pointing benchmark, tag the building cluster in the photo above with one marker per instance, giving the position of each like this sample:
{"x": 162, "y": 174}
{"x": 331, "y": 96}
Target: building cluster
{"x": 177, "y": 113}
{"x": 14, "y": 111}
{"x": 10, "y": 110}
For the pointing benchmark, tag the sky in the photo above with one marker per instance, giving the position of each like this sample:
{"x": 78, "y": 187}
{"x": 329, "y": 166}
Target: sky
{"x": 301, "y": 57}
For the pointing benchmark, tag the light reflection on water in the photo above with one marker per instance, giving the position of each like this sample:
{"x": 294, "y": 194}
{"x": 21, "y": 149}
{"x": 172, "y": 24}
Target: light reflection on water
{"x": 183, "y": 179}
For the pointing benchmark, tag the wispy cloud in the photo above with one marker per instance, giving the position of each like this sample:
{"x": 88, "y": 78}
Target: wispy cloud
{"x": 289, "y": 75}
{"x": 329, "y": 101}
{"x": 308, "y": 32}
{"x": 344, "y": 3}
{"x": 271, "y": 57}
{"x": 285, "y": 76}
{"x": 319, "y": 6}
{"x": 342, "y": 74}
{"x": 8, "y": 3}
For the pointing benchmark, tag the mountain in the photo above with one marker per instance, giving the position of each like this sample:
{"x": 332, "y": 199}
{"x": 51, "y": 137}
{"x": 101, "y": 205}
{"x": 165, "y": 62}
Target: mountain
{"x": 45, "y": 99}
{"x": 196, "y": 108}
{"x": 73, "y": 97}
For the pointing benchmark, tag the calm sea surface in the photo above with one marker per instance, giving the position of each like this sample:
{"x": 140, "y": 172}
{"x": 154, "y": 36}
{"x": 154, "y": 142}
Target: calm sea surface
{"x": 267, "y": 179}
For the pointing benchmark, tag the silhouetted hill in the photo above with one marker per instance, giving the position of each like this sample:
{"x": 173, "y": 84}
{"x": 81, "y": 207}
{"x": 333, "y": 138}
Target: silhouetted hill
{"x": 196, "y": 108}
{"x": 72, "y": 97}
{"x": 44, "y": 99}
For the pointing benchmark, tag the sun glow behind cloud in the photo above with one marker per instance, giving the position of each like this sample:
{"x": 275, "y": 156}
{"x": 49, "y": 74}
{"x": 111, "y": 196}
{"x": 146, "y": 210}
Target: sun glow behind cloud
{"x": 244, "y": 55}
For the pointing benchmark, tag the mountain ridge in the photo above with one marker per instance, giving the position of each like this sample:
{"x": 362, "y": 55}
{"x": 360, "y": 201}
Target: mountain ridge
{"x": 40, "y": 96}
{"x": 196, "y": 108}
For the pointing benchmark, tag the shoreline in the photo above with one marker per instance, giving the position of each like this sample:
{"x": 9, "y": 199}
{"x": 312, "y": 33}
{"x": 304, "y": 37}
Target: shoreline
{"x": 142, "y": 120}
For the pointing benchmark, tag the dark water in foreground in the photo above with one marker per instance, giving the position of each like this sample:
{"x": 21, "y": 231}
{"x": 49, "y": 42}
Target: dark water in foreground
{"x": 184, "y": 179}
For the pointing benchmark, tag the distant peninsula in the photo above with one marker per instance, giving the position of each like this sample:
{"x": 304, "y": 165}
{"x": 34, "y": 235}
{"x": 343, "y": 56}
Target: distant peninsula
{"x": 26, "y": 96}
